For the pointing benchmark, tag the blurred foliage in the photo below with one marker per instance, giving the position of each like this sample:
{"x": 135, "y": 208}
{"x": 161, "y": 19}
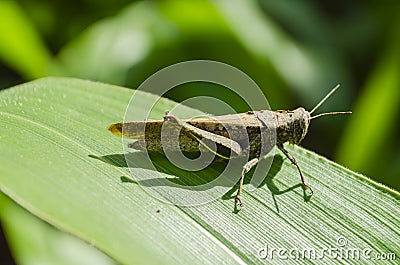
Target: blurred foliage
{"x": 34, "y": 241}
{"x": 295, "y": 51}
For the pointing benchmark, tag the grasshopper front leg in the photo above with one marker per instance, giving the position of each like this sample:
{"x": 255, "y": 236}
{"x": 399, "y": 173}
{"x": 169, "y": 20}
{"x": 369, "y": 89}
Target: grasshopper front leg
{"x": 294, "y": 161}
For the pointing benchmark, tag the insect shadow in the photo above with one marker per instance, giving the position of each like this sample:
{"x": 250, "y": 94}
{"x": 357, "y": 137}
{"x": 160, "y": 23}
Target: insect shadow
{"x": 268, "y": 181}
{"x": 161, "y": 164}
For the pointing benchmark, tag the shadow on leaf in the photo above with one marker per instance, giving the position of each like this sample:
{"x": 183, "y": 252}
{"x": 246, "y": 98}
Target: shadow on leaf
{"x": 159, "y": 163}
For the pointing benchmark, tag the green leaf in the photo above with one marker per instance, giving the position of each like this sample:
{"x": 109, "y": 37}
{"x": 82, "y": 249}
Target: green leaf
{"x": 21, "y": 46}
{"x": 303, "y": 67}
{"x": 52, "y": 130}
{"x": 374, "y": 119}
{"x": 110, "y": 47}
{"x": 36, "y": 242}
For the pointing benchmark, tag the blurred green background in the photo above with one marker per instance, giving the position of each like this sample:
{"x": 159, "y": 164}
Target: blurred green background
{"x": 296, "y": 51}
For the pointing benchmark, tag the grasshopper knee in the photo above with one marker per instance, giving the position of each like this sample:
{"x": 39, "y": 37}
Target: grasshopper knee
{"x": 249, "y": 165}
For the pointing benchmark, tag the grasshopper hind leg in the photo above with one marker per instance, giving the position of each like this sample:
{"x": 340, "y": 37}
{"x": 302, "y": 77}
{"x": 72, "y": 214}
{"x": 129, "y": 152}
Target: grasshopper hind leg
{"x": 246, "y": 168}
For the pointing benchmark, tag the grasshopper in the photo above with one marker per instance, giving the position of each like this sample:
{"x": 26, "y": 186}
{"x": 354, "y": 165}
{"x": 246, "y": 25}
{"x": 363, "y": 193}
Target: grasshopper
{"x": 262, "y": 130}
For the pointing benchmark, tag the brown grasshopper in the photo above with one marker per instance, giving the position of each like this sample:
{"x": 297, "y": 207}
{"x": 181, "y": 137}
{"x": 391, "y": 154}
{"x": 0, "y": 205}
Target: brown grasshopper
{"x": 261, "y": 130}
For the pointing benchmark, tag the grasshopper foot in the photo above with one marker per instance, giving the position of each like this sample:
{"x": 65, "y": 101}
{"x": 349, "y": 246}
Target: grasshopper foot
{"x": 306, "y": 187}
{"x": 238, "y": 201}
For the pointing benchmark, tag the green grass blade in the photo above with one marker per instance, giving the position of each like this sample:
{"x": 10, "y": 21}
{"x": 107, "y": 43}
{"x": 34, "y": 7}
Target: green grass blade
{"x": 36, "y": 242}
{"x": 375, "y": 116}
{"x": 52, "y": 129}
{"x": 21, "y": 46}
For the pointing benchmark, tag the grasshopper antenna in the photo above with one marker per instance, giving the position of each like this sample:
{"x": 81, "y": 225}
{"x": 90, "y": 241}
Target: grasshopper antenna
{"x": 323, "y": 100}
{"x": 331, "y": 113}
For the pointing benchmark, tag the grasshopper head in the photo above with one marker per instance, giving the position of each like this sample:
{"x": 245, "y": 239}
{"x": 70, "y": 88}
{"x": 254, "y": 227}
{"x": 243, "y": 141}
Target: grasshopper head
{"x": 301, "y": 120}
